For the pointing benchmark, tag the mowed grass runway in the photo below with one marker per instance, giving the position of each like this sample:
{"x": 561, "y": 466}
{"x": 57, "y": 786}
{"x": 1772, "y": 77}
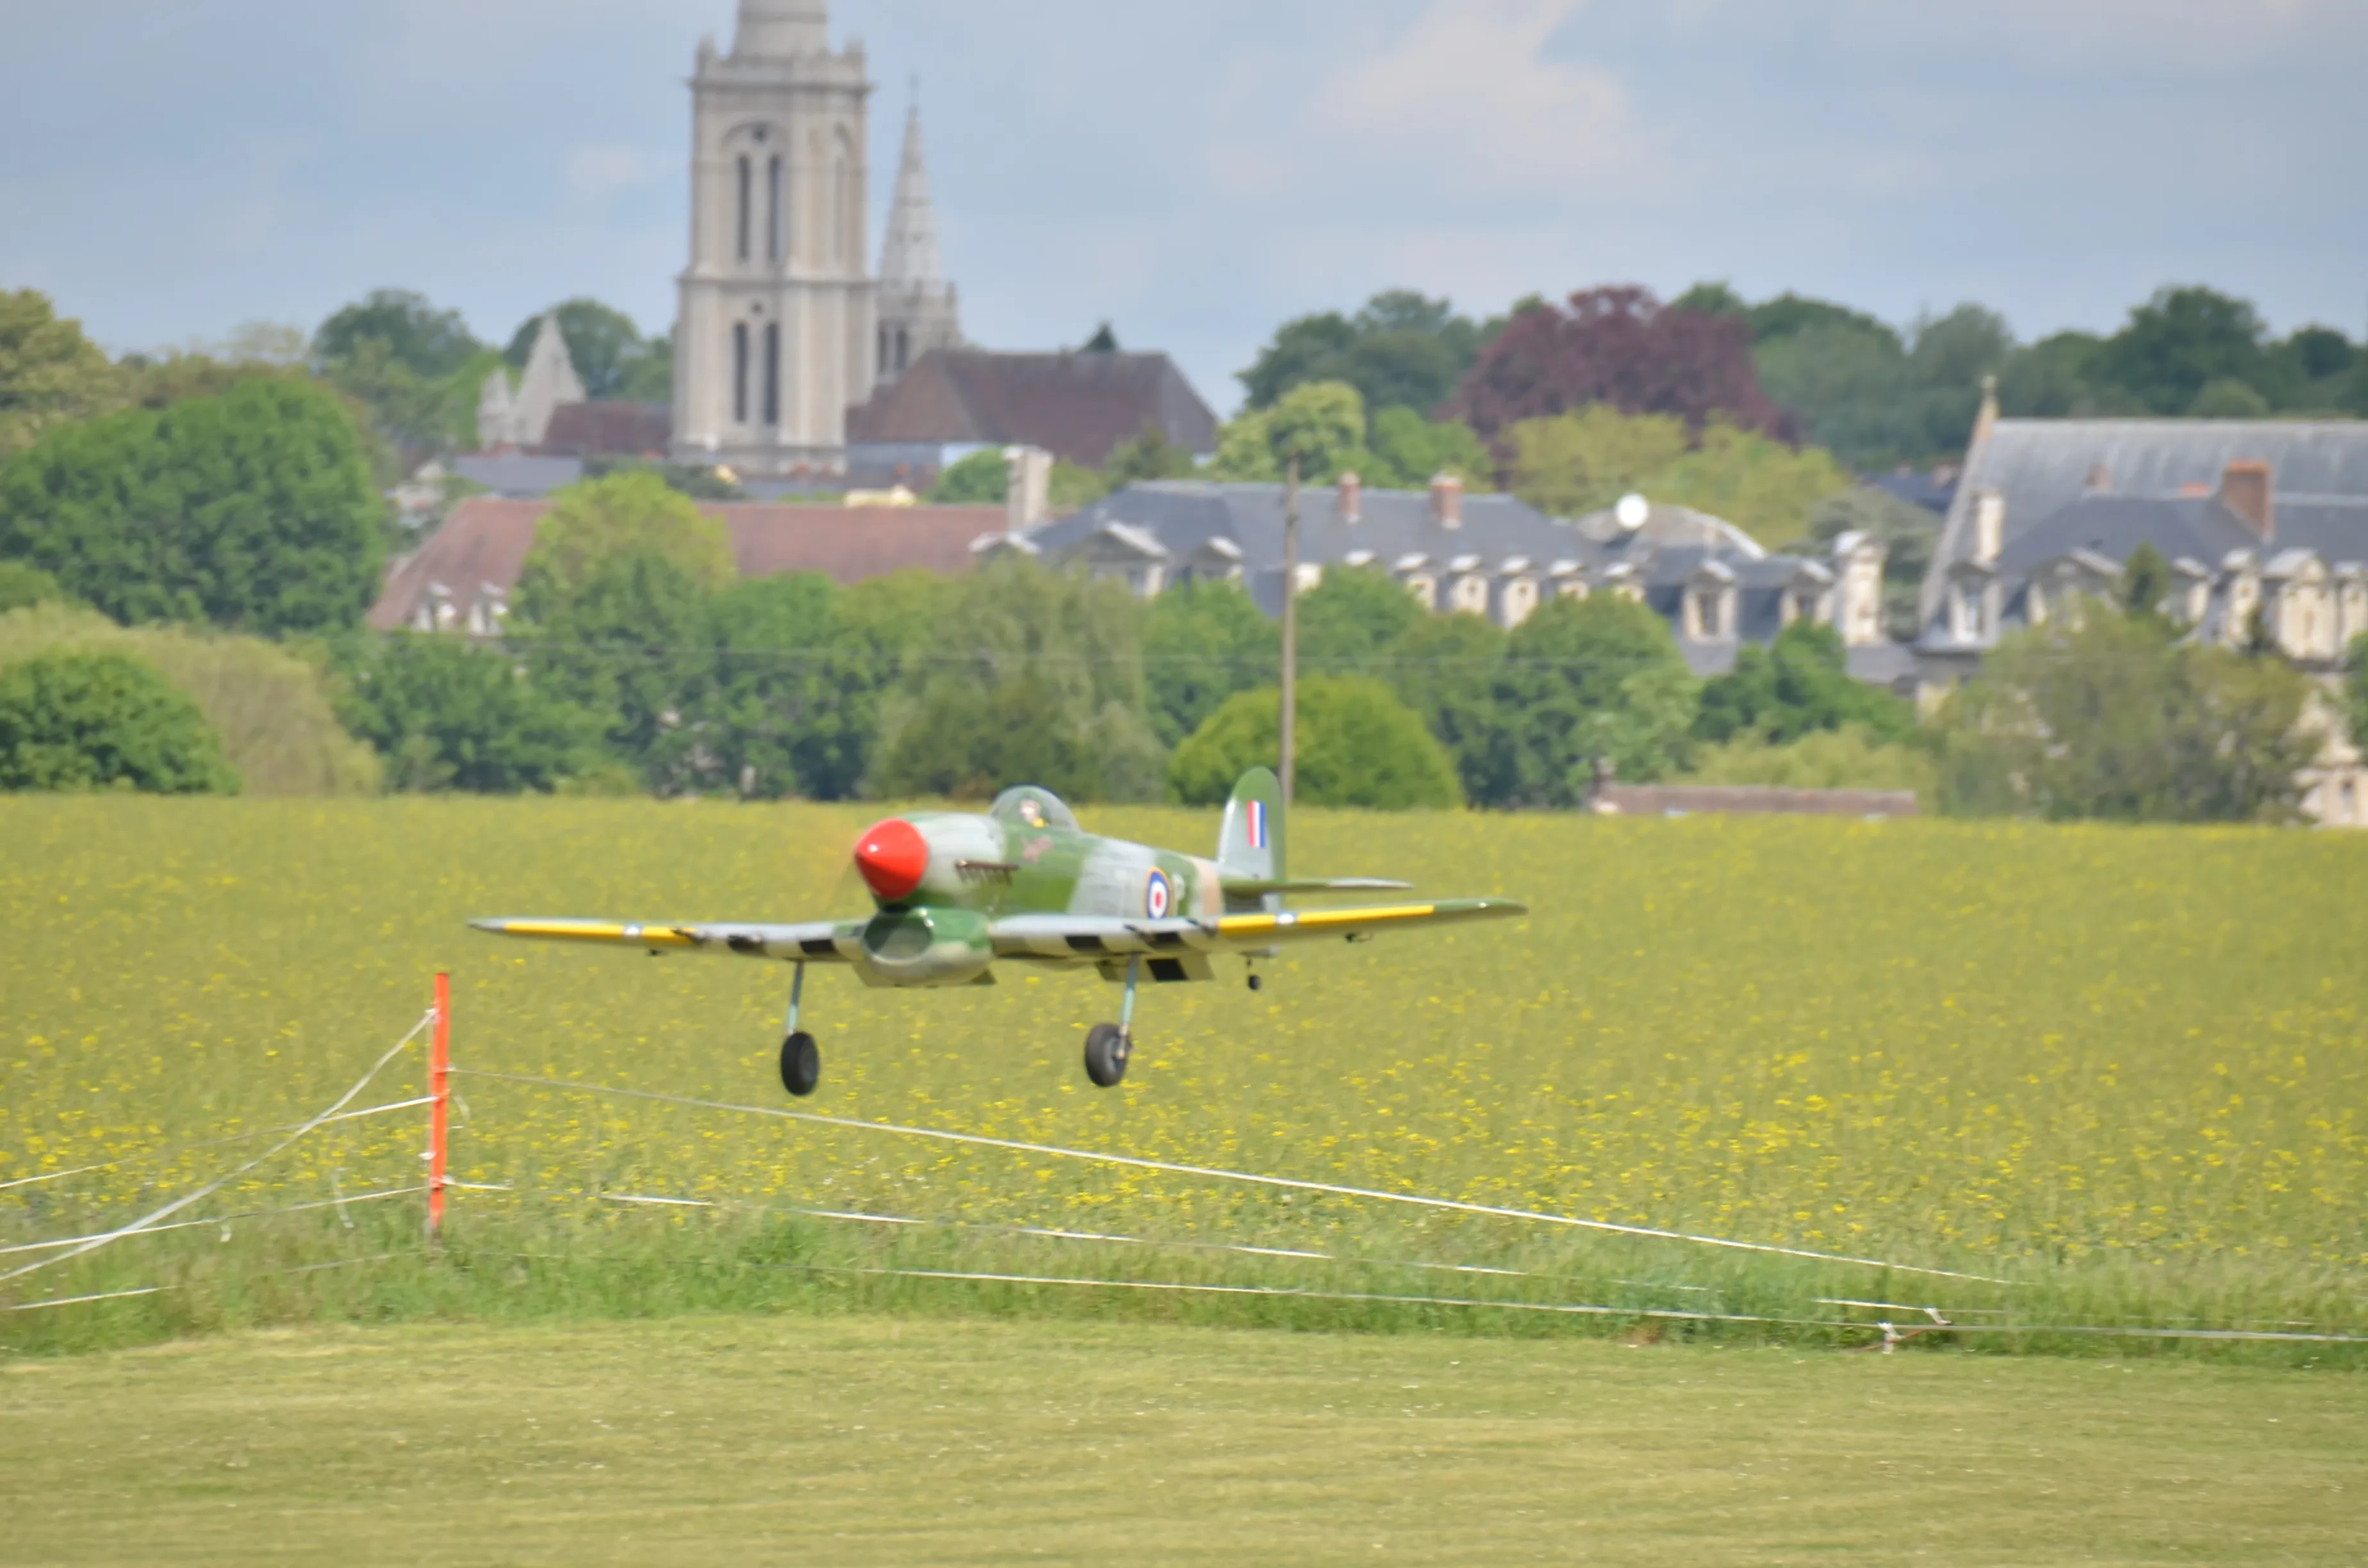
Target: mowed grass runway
{"x": 2126, "y": 1070}
{"x": 908, "y": 1442}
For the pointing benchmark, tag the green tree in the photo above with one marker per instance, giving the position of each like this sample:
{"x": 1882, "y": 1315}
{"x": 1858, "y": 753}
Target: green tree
{"x": 880, "y": 636}
{"x": 603, "y": 344}
{"x": 1202, "y": 643}
{"x": 253, "y": 510}
{"x": 2099, "y": 715}
{"x": 754, "y": 727}
{"x": 1450, "y": 670}
{"x": 1797, "y": 686}
{"x": 1847, "y": 758}
{"x": 23, "y": 587}
{"x": 1357, "y": 746}
{"x": 49, "y": 373}
{"x": 1403, "y": 350}
{"x": 1764, "y": 487}
{"x": 1352, "y": 618}
{"x": 428, "y": 342}
{"x": 445, "y": 715}
{"x": 77, "y": 720}
{"x": 1029, "y": 676}
{"x": 1600, "y": 677}
{"x": 1571, "y": 464}
{"x": 1408, "y": 450}
{"x": 628, "y": 641}
{"x": 592, "y": 521}
{"x": 412, "y": 412}
{"x": 1321, "y": 423}
{"x": 2178, "y": 343}
{"x": 2146, "y": 583}
{"x": 1147, "y": 456}
{"x": 982, "y": 479}
{"x": 2229, "y": 398}
{"x": 2355, "y": 690}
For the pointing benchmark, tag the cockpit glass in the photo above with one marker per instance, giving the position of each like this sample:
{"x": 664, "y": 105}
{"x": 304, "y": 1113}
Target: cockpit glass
{"x": 1031, "y": 807}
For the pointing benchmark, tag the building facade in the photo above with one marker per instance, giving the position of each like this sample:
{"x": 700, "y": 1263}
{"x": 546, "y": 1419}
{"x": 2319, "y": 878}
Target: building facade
{"x": 779, "y": 330}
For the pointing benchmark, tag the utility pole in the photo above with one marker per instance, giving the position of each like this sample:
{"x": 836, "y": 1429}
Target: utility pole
{"x": 1290, "y": 758}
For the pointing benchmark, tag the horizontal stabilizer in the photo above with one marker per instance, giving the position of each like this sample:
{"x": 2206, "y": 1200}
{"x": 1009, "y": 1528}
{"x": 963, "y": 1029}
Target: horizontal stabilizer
{"x": 1251, "y": 887}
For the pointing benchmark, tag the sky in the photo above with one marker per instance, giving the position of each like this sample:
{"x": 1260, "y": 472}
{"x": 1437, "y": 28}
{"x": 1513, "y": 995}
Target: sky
{"x": 1198, "y": 172}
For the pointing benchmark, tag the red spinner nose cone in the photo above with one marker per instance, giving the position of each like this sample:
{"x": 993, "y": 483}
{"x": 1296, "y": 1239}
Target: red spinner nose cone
{"x": 893, "y": 857}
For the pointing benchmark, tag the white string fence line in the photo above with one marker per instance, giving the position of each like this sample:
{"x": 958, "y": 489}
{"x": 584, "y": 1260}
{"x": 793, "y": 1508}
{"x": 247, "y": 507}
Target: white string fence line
{"x": 372, "y": 1196}
{"x": 82, "y": 1301}
{"x": 1137, "y": 1162}
{"x": 1050, "y": 1233}
{"x": 157, "y": 1216}
{"x": 149, "y": 1155}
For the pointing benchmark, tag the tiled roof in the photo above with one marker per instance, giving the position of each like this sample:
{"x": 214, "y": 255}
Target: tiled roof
{"x": 1078, "y": 407}
{"x": 609, "y": 429}
{"x": 484, "y": 543}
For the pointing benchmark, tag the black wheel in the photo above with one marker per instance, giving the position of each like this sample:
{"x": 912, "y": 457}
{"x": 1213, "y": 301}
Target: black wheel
{"x": 801, "y": 1064}
{"x": 1258, "y": 982}
{"x": 1107, "y": 1049}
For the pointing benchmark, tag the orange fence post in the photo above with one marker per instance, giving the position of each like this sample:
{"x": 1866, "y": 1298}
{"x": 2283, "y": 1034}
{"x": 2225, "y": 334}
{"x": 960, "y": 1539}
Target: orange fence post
{"x": 439, "y": 1100}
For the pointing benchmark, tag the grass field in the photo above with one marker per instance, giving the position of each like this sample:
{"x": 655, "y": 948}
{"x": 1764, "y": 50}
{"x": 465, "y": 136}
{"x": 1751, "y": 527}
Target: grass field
{"x": 2126, "y": 1070}
{"x": 785, "y": 1440}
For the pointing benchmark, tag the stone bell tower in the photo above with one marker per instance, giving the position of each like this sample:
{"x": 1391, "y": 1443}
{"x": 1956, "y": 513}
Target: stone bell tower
{"x": 775, "y": 337}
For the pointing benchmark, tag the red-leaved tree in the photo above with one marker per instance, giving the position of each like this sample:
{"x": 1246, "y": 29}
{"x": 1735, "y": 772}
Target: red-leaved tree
{"x": 1623, "y": 347}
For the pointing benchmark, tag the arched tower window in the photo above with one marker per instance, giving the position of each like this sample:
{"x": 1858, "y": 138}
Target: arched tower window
{"x": 773, "y": 373}
{"x": 775, "y": 233}
{"x": 740, "y": 372}
{"x": 741, "y": 248}
{"x": 903, "y": 350}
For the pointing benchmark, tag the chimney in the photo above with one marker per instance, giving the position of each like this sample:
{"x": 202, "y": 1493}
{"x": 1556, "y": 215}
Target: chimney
{"x": 1029, "y": 502}
{"x": 1989, "y": 526}
{"x": 1447, "y": 501}
{"x": 1985, "y": 419}
{"x": 2247, "y": 489}
{"x": 1352, "y": 497}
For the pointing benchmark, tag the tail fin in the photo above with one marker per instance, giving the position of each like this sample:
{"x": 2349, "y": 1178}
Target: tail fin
{"x": 1250, "y": 843}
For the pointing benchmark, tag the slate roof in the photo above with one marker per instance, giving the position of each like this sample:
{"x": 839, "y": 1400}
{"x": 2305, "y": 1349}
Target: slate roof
{"x": 516, "y": 473}
{"x": 2038, "y": 467}
{"x": 2114, "y": 526}
{"x": 483, "y": 544}
{"x": 1078, "y": 407}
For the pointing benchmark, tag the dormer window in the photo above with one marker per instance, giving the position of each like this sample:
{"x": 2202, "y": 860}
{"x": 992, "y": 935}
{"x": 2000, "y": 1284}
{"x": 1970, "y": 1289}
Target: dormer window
{"x": 1965, "y": 611}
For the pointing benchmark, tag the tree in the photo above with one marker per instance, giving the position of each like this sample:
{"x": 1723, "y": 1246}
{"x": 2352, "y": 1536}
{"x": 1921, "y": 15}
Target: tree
{"x": 2178, "y": 343}
{"x": 2146, "y": 583}
{"x": 427, "y": 342}
{"x": 253, "y": 510}
{"x": 603, "y": 344}
{"x": 1147, "y": 456}
{"x": 1764, "y": 487}
{"x": 449, "y": 716}
{"x": 23, "y": 587}
{"x": 1357, "y": 746}
{"x": 1321, "y": 423}
{"x": 1029, "y": 676}
{"x": 2355, "y": 690}
{"x": 1619, "y": 346}
{"x": 49, "y": 373}
{"x": 413, "y": 412}
{"x": 880, "y": 633}
{"x": 1103, "y": 341}
{"x": 1352, "y": 618}
{"x": 1202, "y": 643}
{"x": 2229, "y": 398}
{"x": 1600, "y": 677}
{"x": 97, "y": 720}
{"x": 626, "y": 639}
{"x": 982, "y": 479}
{"x": 2100, "y": 715}
{"x": 755, "y": 726}
{"x": 596, "y": 520}
{"x": 1847, "y": 758}
{"x": 1408, "y": 451}
{"x": 1797, "y": 686}
{"x": 1450, "y": 670}
{"x": 1403, "y": 350}
{"x": 1571, "y": 464}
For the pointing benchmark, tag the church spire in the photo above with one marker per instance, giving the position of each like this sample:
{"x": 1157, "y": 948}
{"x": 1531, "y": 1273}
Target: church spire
{"x": 910, "y": 254}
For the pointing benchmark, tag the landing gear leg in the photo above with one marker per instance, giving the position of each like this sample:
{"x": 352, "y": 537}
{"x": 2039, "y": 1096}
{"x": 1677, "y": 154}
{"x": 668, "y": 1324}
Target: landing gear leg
{"x": 801, "y": 1057}
{"x": 1109, "y": 1045}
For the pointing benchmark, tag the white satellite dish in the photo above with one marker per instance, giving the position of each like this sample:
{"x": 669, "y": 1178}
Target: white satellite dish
{"x": 1632, "y": 511}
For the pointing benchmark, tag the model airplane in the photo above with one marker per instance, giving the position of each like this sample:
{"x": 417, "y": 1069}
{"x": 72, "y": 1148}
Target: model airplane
{"x": 957, "y": 895}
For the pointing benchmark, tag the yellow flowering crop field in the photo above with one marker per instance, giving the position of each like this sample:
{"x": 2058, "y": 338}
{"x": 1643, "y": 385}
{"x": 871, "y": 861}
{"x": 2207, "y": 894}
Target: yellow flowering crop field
{"x": 2122, "y": 1075}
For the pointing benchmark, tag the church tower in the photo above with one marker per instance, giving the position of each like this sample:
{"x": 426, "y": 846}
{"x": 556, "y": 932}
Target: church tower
{"x": 775, "y": 334}
{"x": 918, "y": 310}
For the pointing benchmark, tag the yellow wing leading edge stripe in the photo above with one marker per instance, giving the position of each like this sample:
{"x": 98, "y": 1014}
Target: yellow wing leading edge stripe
{"x": 606, "y": 931}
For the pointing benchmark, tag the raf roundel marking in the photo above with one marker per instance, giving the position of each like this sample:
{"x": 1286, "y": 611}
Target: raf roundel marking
{"x": 1158, "y": 897}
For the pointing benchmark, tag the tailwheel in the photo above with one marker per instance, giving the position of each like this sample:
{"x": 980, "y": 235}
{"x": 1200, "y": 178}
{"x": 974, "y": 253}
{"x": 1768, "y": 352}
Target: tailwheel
{"x": 1107, "y": 1049}
{"x": 800, "y": 1063}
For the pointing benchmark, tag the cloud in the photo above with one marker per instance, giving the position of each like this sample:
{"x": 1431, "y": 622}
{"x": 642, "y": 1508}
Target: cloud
{"x": 1469, "y": 95}
{"x": 597, "y": 172}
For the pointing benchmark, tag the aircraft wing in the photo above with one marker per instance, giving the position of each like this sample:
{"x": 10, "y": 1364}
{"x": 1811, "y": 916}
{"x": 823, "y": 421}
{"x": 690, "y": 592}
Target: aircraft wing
{"x": 1250, "y": 887}
{"x": 1085, "y": 937}
{"x": 819, "y": 941}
